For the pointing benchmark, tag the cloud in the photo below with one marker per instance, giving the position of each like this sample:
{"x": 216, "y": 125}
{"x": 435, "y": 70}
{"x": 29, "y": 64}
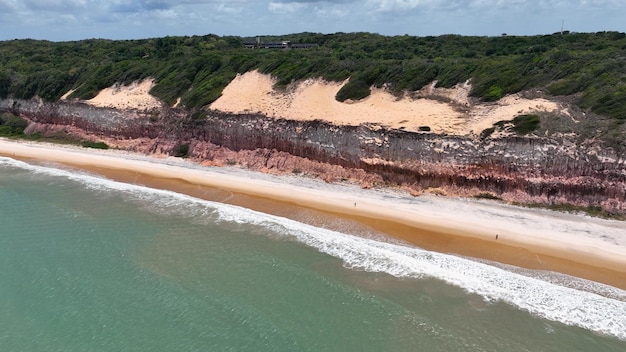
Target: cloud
{"x": 228, "y": 8}
{"x": 125, "y": 19}
{"x": 332, "y": 11}
{"x": 336, "y": 8}
{"x": 7, "y": 6}
{"x": 286, "y": 7}
{"x": 402, "y": 5}
{"x": 317, "y": 1}
{"x": 150, "y": 5}
{"x": 55, "y": 5}
{"x": 490, "y": 5}
{"x": 111, "y": 6}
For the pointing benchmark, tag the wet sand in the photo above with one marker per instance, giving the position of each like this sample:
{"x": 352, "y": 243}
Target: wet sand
{"x": 336, "y": 211}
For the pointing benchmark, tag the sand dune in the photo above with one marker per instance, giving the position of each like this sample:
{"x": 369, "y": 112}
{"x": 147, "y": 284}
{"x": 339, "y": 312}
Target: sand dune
{"x": 443, "y": 110}
{"x": 315, "y": 99}
{"x": 312, "y": 99}
{"x": 133, "y": 96}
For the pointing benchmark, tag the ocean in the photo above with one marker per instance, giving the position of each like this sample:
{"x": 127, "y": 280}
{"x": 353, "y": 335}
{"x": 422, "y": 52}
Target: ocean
{"x": 90, "y": 264}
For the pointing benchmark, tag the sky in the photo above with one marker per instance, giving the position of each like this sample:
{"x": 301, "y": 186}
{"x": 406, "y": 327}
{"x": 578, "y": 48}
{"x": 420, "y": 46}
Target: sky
{"x": 64, "y": 20}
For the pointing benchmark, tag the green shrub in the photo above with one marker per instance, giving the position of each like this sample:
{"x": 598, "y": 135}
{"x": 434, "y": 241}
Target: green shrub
{"x": 587, "y": 66}
{"x": 424, "y": 128}
{"x": 487, "y": 195}
{"x": 94, "y": 145}
{"x": 355, "y": 90}
{"x": 524, "y": 124}
{"x": 487, "y": 132}
{"x": 34, "y": 136}
{"x": 11, "y": 125}
{"x": 567, "y": 86}
{"x": 199, "y": 115}
{"x": 182, "y": 151}
{"x": 6, "y": 131}
{"x": 494, "y": 93}
{"x": 5, "y": 84}
{"x": 591, "y": 210}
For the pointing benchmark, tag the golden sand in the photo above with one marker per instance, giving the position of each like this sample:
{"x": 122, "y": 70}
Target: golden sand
{"x": 133, "y": 96}
{"x": 444, "y": 232}
{"x": 313, "y": 99}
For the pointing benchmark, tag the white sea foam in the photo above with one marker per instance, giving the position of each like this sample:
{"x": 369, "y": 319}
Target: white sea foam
{"x": 602, "y": 311}
{"x": 589, "y": 305}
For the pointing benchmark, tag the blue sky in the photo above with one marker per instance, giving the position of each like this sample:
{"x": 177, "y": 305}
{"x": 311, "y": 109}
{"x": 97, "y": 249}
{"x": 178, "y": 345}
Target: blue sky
{"x": 61, "y": 20}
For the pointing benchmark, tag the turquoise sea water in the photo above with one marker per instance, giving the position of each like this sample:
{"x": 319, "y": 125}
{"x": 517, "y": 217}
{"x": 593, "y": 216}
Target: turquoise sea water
{"x": 88, "y": 264}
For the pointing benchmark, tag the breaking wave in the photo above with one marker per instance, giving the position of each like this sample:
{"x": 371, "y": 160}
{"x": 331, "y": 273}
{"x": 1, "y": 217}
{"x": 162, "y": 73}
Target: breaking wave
{"x": 589, "y": 305}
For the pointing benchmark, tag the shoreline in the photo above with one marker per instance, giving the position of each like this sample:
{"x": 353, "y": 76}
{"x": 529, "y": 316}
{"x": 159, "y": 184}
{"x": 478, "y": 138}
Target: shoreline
{"x": 573, "y": 244}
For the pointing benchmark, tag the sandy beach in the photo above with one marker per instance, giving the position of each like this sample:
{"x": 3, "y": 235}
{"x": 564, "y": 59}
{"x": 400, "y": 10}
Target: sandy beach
{"x": 538, "y": 239}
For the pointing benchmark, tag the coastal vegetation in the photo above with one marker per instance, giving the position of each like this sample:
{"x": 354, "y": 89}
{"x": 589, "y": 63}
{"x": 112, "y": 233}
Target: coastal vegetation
{"x": 487, "y": 195}
{"x": 589, "y": 69}
{"x": 570, "y": 154}
{"x": 14, "y": 126}
{"x": 11, "y": 125}
{"x": 524, "y": 124}
{"x": 591, "y": 210}
{"x": 95, "y": 145}
{"x": 182, "y": 151}
{"x": 520, "y": 125}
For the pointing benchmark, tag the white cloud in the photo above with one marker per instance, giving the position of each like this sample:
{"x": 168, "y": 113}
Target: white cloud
{"x": 332, "y": 11}
{"x": 286, "y": 7}
{"x": 124, "y": 19}
{"x": 228, "y": 8}
{"x": 439, "y": 5}
{"x": 8, "y": 5}
{"x": 402, "y": 5}
{"x": 54, "y": 5}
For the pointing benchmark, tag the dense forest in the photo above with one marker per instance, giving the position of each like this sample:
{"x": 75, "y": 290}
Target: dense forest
{"x": 587, "y": 68}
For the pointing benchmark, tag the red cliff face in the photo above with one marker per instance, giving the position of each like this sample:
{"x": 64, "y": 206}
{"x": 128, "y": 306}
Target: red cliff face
{"x": 519, "y": 169}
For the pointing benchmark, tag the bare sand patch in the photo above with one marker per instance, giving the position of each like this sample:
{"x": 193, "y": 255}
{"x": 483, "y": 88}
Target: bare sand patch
{"x": 485, "y": 115}
{"x": 314, "y": 99}
{"x": 444, "y": 110}
{"x": 64, "y": 97}
{"x": 133, "y": 96}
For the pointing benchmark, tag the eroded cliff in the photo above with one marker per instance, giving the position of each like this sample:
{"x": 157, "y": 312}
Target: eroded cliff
{"x": 526, "y": 169}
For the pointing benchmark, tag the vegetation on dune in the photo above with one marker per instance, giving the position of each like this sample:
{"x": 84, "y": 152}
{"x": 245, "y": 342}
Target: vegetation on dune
{"x": 520, "y": 125}
{"x": 487, "y": 132}
{"x": 588, "y": 67}
{"x": 524, "y": 124}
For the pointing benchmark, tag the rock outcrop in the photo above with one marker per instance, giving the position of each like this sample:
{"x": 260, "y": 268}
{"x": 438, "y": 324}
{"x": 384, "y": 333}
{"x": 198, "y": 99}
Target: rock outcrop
{"x": 515, "y": 168}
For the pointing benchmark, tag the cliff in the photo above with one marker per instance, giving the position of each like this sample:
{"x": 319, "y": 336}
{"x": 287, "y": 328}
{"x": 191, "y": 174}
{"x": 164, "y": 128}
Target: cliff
{"x": 527, "y": 169}
{"x": 538, "y": 119}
